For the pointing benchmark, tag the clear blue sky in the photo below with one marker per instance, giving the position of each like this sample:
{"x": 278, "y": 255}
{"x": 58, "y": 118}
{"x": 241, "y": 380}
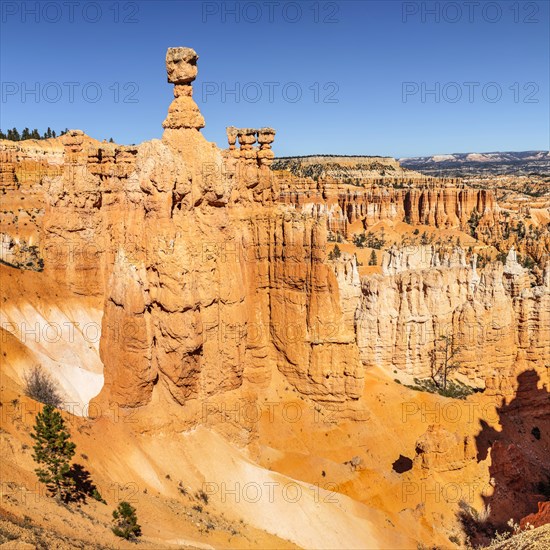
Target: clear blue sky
{"x": 362, "y": 69}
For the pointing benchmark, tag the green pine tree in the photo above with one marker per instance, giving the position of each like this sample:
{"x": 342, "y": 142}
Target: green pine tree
{"x": 373, "y": 260}
{"x": 125, "y": 521}
{"x": 25, "y": 134}
{"x": 53, "y": 450}
{"x": 35, "y": 134}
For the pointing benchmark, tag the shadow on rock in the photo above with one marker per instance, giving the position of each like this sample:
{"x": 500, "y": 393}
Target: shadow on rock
{"x": 84, "y": 487}
{"x": 520, "y": 460}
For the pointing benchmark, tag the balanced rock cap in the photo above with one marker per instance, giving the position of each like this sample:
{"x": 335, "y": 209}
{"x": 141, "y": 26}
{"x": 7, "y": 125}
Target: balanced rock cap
{"x": 181, "y": 65}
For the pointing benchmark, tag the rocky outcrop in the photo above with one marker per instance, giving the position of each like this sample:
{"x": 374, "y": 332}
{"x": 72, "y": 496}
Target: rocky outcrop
{"x": 414, "y": 258}
{"x": 448, "y": 207}
{"x": 247, "y": 137}
{"x": 81, "y": 209}
{"x": 18, "y": 253}
{"x": 228, "y": 285}
{"x": 442, "y": 208}
{"x": 352, "y": 209}
{"x": 539, "y": 518}
{"x": 439, "y": 450}
{"x": 316, "y": 346}
{"x": 8, "y": 179}
{"x": 493, "y": 315}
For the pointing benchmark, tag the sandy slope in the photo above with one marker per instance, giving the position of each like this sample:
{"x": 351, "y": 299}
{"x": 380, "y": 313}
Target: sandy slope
{"x": 248, "y": 505}
{"x": 57, "y": 331}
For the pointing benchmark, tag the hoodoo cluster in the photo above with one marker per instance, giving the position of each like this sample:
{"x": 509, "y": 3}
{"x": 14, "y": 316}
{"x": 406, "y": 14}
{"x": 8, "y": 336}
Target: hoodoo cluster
{"x": 247, "y": 138}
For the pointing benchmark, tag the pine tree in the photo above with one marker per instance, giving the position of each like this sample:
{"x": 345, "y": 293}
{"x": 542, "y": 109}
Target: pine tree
{"x": 35, "y": 134}
{"x": 48, "y": 133}
{"x": 15, "y": 134}
{"x": 111, "y": 140}
{"x": 53, "y": 133}
{"x": 2, "y": 135}
{"x": 125, "y": 521}
{"x": 373, "y": 259}
{"x": 54, "y": 450}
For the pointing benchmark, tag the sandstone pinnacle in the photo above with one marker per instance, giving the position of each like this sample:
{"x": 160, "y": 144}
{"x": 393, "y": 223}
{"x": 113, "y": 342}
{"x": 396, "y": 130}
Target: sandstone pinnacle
{"x": 181, "y": 68}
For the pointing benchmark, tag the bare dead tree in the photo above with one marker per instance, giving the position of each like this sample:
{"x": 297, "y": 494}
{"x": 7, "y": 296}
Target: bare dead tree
{"x": 443, "y": 360}
{"x": 40, "y": 386}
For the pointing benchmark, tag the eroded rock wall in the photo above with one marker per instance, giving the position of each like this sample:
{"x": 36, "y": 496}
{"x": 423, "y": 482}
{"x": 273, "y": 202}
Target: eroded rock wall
{"x": 496, "y": 322}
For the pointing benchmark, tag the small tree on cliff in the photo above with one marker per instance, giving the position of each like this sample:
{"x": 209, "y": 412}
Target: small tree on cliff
{"x": 53, "y": 450}
{"x": 443, "y": 360}
{"x": 473, "y": 222}
{"x": 373, "y": 259}
{"x": 125, "y": 521}
{"x": 335, "y": 253}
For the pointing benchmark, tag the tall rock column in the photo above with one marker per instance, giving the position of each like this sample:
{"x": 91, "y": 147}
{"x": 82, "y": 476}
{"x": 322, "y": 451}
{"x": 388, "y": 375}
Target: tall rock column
{"x": 181, "y": 67}
{"x": 266, "y": 136}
